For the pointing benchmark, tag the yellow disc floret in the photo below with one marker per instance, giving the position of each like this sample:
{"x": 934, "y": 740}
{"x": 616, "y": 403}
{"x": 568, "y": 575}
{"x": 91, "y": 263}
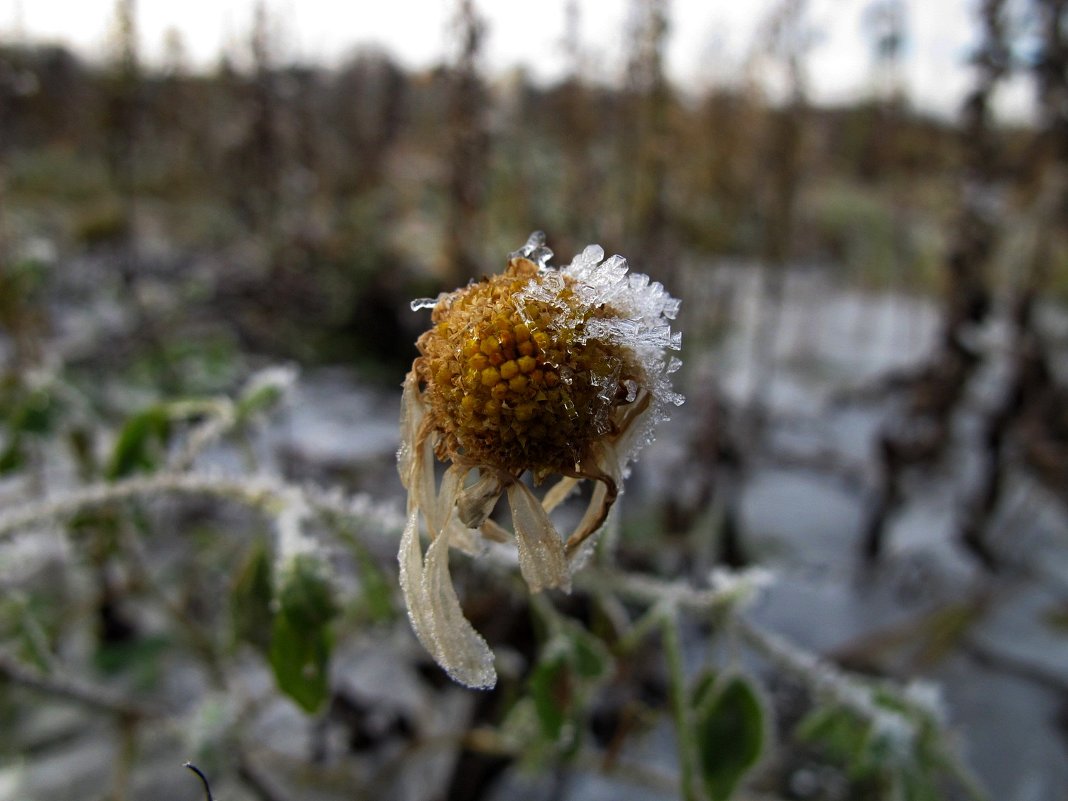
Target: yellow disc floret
{"x": 512, "y": 380}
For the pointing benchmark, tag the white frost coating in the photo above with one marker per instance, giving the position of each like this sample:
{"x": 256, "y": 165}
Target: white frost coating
{"x": 744, "y": 586}
{"x": 281, "y": 378}
{"x": 292, "y": 540}
{"x": 640, "y": 321}
{"x": 23, "y": 556}
{"x": 928, "y": 696}
{"x": 459, "y": 649}
{"x": 896, "y": 736}
{"x": 410, "y": 559}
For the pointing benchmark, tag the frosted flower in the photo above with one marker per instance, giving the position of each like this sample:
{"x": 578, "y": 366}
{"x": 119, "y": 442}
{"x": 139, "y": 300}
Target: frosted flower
{"x": 539, "y": 371}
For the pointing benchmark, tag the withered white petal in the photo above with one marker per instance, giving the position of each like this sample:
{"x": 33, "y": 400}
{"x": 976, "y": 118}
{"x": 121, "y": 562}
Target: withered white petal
{"x": 594, "y": 515}
{"x": 437, "y": 502}
{"x": 412, "y": 412}
{"x": 410, "y": 558}
{"x": 460, "y": 537}
{"x": 558, "y": 493}
{"x": 541, "y": 551}
{"x": 460, "y": 650}
{"x": 451, "y": 484}
{"x": 477, "y": 501}
{"x": 425, "y": 480}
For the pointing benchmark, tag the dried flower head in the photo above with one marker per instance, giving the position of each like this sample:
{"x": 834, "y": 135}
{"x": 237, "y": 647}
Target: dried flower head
{"x": 551, "y": 372}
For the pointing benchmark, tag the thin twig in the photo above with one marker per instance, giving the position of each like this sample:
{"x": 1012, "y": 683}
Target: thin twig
{"x": 203, "y": 778}
{"x": 261, "y": 492}
{"x": 680, "y": 707}
{"x": 99, "y": 698}
{"x": 838, "y": 687}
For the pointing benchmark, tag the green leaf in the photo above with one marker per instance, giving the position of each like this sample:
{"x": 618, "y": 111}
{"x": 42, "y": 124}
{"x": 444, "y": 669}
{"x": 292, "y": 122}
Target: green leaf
{"x": 306, "y": 596}
{"x": 300, "y": 659}
{"x": 13, "y": 457}
{"x": 376, "y": 592}
{"x": 730, "y": 731}
{"x": 589, "y": 655}
{"x": 259, "y": 399}
{"x": 843, "y": 735}
{"x": 551, "y": 691}
{"x": 301, "y": 640}
{"x": 141, "y": 443}
{"x": 142, "y": 658}
{"x": 250, "y": 599}
{"x": 80, "y": 441}
{"x": 35, "y": 415}
{"x": 920, "y": 786}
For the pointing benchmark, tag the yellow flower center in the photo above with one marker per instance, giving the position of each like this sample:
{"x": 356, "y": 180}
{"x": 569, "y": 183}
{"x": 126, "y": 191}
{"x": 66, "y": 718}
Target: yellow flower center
{"x": 512, "y": 380}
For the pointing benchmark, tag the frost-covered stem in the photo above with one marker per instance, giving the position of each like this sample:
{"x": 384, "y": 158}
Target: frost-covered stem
{"x": 967, "y": 780}
{"x": 680, "y": 707}
{"x": 251, "y": 492}
{"x": 642, "y": 628}
{"x": 99, "y": 698}
{"x": 220, "y": 417}
{"x": 645, "y": 589}
{"x": 203, "y": 779}
{"x": 126, "y": 759}
{"x": 823, "y": 678}
{"x": 838, "y": 687}
{"x": 264, "y": 493}
{"x": 35, "y": 635}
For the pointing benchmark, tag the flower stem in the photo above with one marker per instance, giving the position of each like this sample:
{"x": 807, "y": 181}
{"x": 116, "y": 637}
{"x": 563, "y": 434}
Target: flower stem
{"x": 680, "y": 705}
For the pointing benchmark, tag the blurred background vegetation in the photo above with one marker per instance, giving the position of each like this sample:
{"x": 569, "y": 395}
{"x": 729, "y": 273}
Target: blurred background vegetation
{"x": 875, "y": 342}
{"x": 305, "y": 203}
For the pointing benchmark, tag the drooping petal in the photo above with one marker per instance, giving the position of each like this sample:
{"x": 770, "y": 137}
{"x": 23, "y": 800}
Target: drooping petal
{"x": 494, "y": 531}
{"x": 459, "y": 649}
{"x": 410, "y": 558}
{"x": 603, "y": 467}
{"x": 437, "y": 502}
{"x": 477, "y": 501}
{"x": 592, "y": 519}
{"x": 558, "y": 493}
{"x": 411, "y": 419}
{"x": 451, "y": 484}
{"x": 425, "y": 480}
{"x": 541, "y": 551}
{"x": 442, "y": 520}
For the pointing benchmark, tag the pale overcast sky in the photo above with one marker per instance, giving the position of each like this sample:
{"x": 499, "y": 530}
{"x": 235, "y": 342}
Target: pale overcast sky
{"x": 709, "y": 38}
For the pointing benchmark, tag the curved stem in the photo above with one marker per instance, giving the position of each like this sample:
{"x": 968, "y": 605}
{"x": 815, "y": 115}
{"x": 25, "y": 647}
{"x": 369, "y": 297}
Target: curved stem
{"x": 204, "y": 779}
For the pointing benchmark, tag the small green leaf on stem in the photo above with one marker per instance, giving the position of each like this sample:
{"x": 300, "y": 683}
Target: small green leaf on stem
{"x": 250, "y": 599}
{"x": 729, "y": 719}
{"x": 301, "y": 640}
{"x": 141, "y": 443}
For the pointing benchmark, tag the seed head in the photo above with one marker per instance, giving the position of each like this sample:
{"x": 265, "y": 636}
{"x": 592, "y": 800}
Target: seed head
{"x": 513, "y": 380}
{"x": 541, "y": 370}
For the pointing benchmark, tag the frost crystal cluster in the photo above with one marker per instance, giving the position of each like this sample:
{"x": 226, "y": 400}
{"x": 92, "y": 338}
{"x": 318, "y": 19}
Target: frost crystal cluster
{"x": 552, "y": 372}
